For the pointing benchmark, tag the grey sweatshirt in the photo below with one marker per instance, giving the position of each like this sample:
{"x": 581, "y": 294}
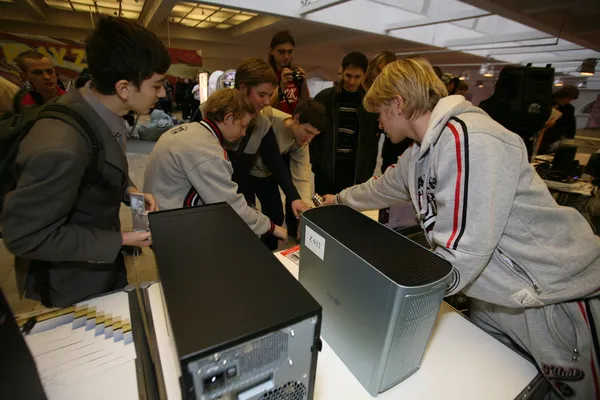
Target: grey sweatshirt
{"x": 188, "y": 166}
{"x": 300, "y": 167}
{"x": 486, "y": 210}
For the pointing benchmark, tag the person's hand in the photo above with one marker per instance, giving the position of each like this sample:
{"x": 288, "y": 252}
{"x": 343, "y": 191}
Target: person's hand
{"x": 148, "y": 199}
{"x": 136, "y": 239}
{"x": 302, "y": 73}
{"x": 550, "y": 123}
{"x": 150, "y": 202}
{"x": 286, "y": 78}
{"x": 298, "y": 207}
{"x": 328, "y": 200}
{"x": 281, "y": 233}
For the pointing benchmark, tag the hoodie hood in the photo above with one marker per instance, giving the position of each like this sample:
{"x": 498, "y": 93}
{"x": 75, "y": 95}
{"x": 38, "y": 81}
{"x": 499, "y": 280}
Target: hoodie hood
{"x": 445, "y": 109}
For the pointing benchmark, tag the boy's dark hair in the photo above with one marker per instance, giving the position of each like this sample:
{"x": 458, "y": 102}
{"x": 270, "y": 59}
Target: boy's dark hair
{"x": 254, "y": 71}
{"x": 312, "y": 112}
{"x": 355, "y": 59}
{"x": 120, "y": 49}
{"x": 568, "y": 91}
{"x": 280, "y": 37}
{"x": 31, "y": 54}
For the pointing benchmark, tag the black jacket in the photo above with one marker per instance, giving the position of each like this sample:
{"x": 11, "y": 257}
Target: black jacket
{"x": 67, "y": 233}
{"x": 564, "y": 128}
{"x": 323, "y": 147}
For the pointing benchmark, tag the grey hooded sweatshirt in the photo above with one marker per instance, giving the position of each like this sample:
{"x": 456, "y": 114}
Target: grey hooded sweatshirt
{"x": 485, "y": 209}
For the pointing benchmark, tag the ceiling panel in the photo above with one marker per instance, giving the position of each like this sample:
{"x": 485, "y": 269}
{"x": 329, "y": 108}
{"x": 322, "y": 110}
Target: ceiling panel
{"x": 125, "y": 8}
{"x": 205, "y": 16}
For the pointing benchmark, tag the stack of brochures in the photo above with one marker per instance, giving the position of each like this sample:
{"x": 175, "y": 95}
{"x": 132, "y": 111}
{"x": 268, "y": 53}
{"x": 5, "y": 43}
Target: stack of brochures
{"x": 85, "y": 350}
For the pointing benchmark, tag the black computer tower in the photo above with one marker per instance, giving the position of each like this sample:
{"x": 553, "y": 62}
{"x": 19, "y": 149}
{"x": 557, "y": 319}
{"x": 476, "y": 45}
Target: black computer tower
{"x": 243, "y": 326}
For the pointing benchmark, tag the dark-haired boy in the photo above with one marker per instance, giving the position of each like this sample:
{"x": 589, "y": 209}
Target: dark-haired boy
{"x": 62, "y": 220}
{"x": 346, "y": 151}
{"x": 293, "y": 133}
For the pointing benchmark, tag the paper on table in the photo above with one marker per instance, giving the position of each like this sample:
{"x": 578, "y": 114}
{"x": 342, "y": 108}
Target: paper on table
{"x": 293, "y": 253}
{"x": 555, "y": 115}
{"x": 74, "y": 344}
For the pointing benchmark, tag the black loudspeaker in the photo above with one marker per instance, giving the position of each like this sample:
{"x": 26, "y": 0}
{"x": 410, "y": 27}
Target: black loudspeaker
{"x": 522, "y": 100}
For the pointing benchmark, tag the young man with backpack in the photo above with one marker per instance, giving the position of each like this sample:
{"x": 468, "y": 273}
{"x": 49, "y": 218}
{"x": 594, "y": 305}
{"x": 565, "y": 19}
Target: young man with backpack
{"x": 60, "y": 217}
{"x": 530, "y": 266}
{"x": 37, "y": 69}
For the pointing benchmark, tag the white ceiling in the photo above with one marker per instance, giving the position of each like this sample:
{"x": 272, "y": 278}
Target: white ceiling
{"x": 477, "y": 28}
{"x": 457, "y": 35}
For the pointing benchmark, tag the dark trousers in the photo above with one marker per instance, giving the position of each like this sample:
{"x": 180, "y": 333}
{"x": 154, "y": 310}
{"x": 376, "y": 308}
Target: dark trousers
{"x": 290, "y": 219}
{"x": 186, "y": 109}
{"x": 195, "y": 108}
{"x": 267, "y": 192}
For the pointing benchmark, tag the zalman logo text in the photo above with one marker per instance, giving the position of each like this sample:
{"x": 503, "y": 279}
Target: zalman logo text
{"x": 562, "y": 373}
{"x": 334, "y": 299}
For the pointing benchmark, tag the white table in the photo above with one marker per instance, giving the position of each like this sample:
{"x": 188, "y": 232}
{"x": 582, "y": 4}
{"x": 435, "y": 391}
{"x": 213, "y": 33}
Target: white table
{"x": 461, "y": 362}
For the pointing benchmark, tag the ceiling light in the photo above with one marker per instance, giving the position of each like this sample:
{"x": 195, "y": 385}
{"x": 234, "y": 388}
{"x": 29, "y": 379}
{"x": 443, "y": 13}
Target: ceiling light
{"x": 489, "y": 71}
{"x": 483, "y": 69}
{"x": 479, "y": 84}
{"x": 486, "y": 69}
{"x": 464, "y": 76}
{"x": 559, "y": 82}
{"x": 588, "y": 67}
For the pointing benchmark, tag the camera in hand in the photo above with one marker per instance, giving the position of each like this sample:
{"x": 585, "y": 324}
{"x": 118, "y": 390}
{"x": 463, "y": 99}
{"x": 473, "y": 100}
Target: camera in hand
{"x": 297, "y": 77}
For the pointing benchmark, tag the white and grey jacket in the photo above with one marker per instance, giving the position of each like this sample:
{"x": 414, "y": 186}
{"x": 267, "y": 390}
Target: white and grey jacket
{"x": 300, "y": 167}
{"x": 486, "y": 210}
{"x": 188, "y": 167}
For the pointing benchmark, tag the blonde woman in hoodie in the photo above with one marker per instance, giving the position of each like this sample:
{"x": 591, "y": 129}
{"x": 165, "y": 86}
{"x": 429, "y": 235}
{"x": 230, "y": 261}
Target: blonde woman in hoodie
{"x": 531, "y": 266}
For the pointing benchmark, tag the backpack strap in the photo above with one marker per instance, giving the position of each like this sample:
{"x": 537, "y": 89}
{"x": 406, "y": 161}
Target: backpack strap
{"x": 21, "y": 94}
{"x": 73, "y": 118}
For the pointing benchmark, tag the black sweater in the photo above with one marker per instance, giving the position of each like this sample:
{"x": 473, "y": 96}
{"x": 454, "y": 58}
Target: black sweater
{"x": 269, "y": 152}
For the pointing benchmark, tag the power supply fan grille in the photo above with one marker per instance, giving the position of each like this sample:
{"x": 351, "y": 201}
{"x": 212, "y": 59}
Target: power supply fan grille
{"x": 255, "y": 355}
{"x": 288, "y": 391}
{"x": 264, "y": 352}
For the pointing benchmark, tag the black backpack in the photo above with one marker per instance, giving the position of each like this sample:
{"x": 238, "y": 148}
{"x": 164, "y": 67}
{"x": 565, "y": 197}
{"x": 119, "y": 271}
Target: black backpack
{"x": 15, "y": 126}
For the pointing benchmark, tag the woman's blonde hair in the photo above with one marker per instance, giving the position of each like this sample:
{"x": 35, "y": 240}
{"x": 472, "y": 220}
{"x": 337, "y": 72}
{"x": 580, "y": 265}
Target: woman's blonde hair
{"x": 383, "y": 56}
{"x": 227, "y": 101}
{"x": 414, "y": 80}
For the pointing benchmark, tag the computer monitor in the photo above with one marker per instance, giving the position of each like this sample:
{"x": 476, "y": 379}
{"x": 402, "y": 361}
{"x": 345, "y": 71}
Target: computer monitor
{"x": 564, "y": 159}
